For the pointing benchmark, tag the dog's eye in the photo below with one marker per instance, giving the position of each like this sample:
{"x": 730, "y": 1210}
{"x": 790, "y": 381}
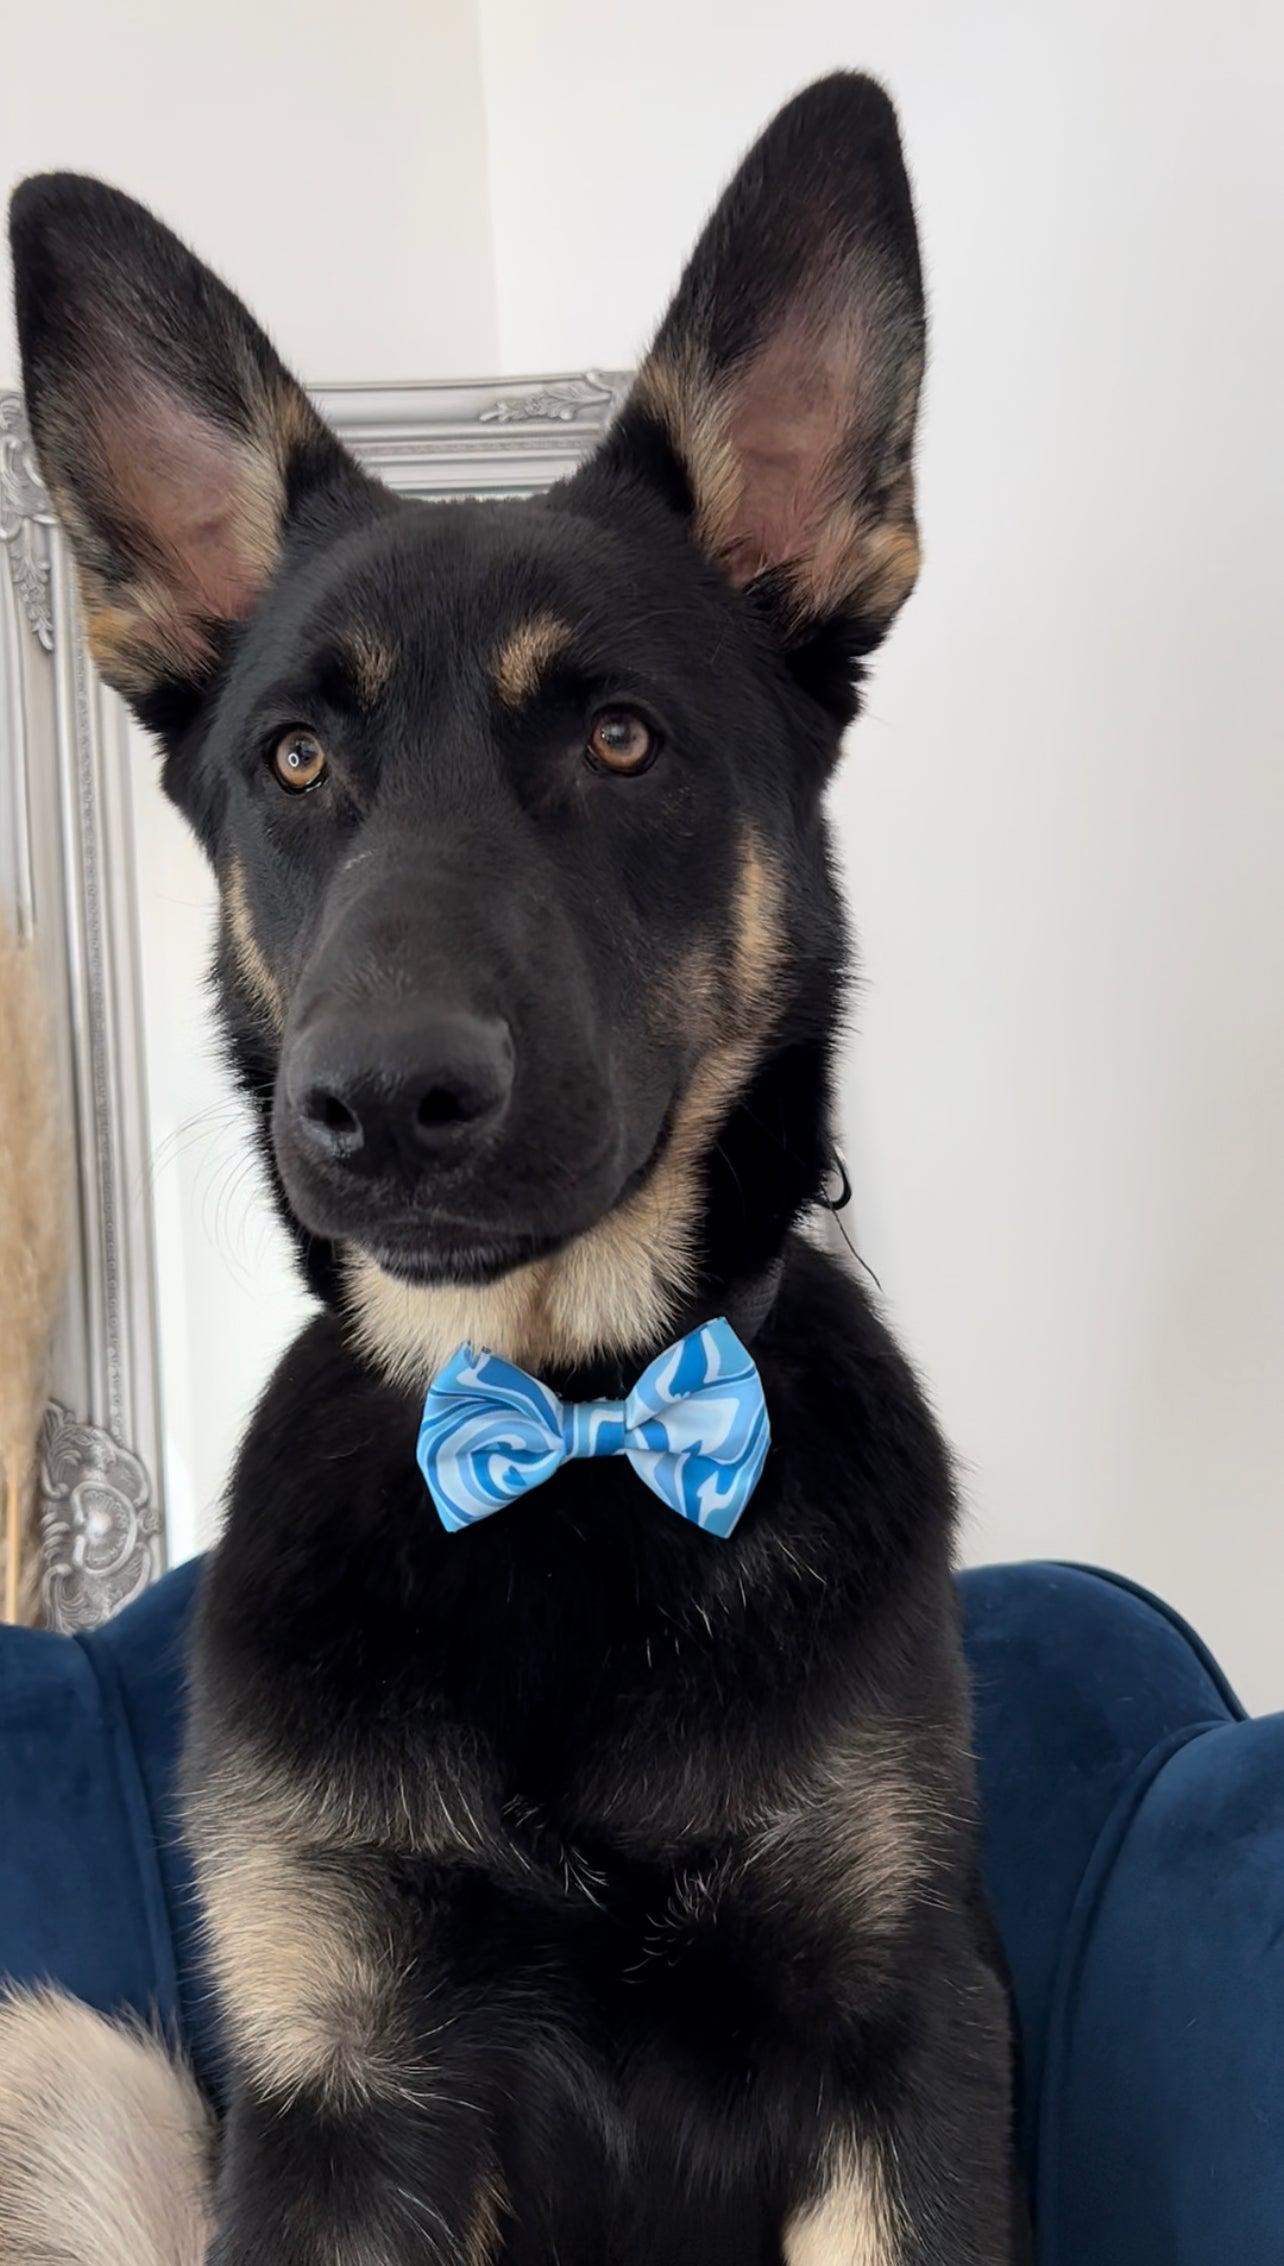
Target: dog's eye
{"x": 621, "y": 741}
{"x": 299, "y": 761}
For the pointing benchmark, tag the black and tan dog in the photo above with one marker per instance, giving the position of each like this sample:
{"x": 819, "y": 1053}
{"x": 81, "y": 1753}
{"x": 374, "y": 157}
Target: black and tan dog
{"x": 582, "y": 1890}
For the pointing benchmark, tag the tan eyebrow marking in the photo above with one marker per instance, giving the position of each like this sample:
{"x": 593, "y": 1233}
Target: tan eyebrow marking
{"x": 371, "y": 660}
{"x": 525, "y": 654}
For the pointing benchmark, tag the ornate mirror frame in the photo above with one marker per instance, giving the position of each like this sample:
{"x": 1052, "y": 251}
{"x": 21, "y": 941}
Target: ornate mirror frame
{"x": 67, "y": 877}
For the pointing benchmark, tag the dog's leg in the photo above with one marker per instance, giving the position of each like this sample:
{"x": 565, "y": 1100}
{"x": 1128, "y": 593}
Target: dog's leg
{"x": 105, "y": 2144}
{"x": 365, "y": 2087}
{"x": 304, "y": 2183}
{"x": 358, "y": 2134}
{"x": 879, "y": 2042}
{"x": 854, "y": 2219}
{"x": 923, "y": 2176}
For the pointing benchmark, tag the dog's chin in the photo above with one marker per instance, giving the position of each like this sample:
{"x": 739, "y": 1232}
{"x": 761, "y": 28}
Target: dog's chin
{"x": 427, "y": 1262}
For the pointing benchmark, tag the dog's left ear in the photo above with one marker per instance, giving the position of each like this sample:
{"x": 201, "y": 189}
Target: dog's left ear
{"x": 780, "y": 396}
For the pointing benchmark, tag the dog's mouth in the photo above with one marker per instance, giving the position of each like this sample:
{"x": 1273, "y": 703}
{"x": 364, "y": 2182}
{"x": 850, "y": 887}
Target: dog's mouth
{"x": 453, "y": 1251}
{"x": 437, "y": 1247}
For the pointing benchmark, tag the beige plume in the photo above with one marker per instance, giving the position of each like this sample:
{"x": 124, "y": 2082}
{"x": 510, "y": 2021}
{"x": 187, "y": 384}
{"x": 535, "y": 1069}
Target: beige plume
{"x": 32, "y": 1244}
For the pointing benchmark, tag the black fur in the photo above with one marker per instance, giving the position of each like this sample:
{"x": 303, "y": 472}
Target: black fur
{"x": 649, "y": 2016}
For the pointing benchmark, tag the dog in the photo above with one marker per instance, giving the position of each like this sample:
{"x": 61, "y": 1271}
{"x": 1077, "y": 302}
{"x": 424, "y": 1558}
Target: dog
{"x": 597, "y": 1884}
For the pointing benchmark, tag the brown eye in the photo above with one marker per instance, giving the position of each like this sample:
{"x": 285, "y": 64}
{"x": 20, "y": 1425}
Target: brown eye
{"x": 299, "y": 761}
{"x": 621, "y": 741}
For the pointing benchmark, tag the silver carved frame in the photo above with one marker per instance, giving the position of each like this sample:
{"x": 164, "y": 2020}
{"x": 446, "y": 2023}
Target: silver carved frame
{"x": 67, "y": 878}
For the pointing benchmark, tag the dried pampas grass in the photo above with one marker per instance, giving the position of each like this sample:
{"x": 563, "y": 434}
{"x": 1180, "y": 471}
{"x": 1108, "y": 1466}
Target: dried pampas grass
{"x": 32, "y": 1243}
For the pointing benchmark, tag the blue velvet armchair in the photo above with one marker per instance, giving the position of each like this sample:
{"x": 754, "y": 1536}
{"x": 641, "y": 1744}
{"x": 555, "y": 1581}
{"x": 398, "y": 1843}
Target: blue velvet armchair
{"x": 1134, "y": 1824}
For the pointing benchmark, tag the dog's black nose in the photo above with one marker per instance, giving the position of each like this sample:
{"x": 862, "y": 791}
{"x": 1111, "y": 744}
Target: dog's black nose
{"x": 404, "y": 1095}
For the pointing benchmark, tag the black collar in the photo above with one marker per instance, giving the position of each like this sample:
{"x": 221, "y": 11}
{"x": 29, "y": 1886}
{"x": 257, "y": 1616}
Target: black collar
{"x": 748, "y": 1305}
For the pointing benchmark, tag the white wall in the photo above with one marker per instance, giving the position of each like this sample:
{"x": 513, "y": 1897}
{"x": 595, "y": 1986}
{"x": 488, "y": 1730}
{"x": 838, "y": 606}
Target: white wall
{"x": 1064, "y": 813}
{"x": 329, "y": 160}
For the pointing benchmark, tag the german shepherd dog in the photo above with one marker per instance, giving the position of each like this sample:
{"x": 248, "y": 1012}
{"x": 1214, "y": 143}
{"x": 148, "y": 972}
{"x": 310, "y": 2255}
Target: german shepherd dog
{"x": 582, "y": 1888}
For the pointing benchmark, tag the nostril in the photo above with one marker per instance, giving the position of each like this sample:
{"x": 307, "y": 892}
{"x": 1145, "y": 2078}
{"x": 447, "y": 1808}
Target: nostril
{"x": 442, "y": 1105}
{"x": 334, "y": 1114}
{"x": 465, "y": 1089}
{"x": 334, "y": 1119}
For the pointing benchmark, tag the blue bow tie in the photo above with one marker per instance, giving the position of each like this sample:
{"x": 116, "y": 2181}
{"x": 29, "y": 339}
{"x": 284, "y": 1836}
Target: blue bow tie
{"x": 694, "y": 1428}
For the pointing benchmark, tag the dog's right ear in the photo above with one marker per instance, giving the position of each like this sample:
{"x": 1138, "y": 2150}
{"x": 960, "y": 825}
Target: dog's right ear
{"x": 176, "y": 446}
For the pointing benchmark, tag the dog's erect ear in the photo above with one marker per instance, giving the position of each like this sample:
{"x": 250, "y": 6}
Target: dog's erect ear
{"x": 785, "y": 377}
{"x": 174, "y": 443}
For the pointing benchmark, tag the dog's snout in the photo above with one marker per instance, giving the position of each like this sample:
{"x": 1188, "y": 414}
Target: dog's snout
{"x": 403, "y": 1096}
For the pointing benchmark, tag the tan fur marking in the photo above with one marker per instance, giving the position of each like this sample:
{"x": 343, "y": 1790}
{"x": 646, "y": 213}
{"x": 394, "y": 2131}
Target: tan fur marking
{"x": 372, "y": 661}
{"x": 139, "y": 637}
{"x": 855, "y": 2222}
{"x": 889, "y": 562}
{"x": 106, "y": 2147}
{"x": 850, "y": 1834}
{"x": 525, "y": 655}
{"x": 291, "y": 421}
{"x": 259, "y": 979}
{"x": 483, "y": 2239}
{"x": 679, "y": 392}
{"x": 303, "y": 1949}
{"x": 438, "y": 1798}
{"x": 616, "y": 1288}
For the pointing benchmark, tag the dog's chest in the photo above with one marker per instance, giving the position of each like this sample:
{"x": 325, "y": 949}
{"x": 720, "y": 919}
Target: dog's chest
{"x": 567, "y": 1707}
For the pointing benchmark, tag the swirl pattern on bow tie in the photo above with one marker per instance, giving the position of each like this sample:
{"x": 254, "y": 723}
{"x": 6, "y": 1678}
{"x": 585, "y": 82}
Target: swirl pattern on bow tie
{"x": 694, "y": 1428}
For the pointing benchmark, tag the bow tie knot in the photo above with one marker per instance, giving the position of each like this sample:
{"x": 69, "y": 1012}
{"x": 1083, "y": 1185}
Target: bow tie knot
{"x": 594, "y": 1428}
{"x": 694, "y": 1428}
